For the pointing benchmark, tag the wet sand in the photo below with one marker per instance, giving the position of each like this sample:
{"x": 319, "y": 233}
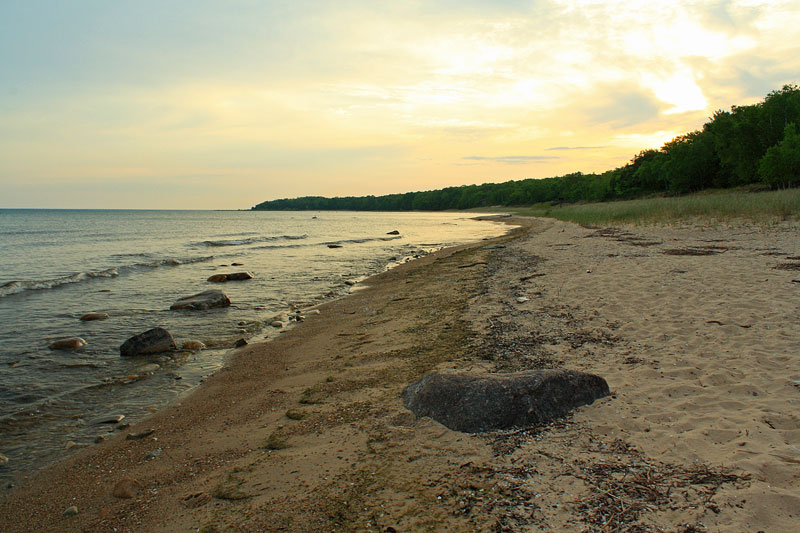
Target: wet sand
{"x": 693, "y": 327}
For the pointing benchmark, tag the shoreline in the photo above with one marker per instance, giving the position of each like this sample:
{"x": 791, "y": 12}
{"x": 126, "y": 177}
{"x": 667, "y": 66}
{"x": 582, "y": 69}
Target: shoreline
{"x": 692, "y": 327}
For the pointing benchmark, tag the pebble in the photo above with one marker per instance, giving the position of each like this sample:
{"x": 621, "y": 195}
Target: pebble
{"x": 146, "y": 369}
{"x": 71, "y": 511}
{"x": 240, "y": 343}
{"x": 75, "y": 343}
{"x": 194, "y": 345}
{"x": 98, "y": 439}
{"x": 522, "y": 299}
{"x": 152, "y": 455}
{"x": 3, "y": 459}
{"x": 276, "y": 324}
{"x": 140, "y": 435}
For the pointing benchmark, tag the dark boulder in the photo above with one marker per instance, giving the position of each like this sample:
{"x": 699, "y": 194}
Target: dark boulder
{"x": 204, "y": 300}
{"x": 156, "y": 340}
{"x": 474, "y": 403}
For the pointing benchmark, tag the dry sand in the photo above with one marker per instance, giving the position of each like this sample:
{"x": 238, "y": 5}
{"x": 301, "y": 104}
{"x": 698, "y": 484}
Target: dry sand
{"x": 693, "y": 327}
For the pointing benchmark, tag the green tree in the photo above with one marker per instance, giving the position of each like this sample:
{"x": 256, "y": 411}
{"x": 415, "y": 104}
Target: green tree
{"x": 780, "y": 166}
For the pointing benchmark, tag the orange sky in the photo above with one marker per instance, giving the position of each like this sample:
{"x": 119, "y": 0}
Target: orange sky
{"x": 188, "y": 104}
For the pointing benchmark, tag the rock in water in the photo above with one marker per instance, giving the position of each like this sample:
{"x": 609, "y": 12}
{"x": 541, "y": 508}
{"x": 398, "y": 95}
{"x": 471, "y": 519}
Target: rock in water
{"x": 204, "y": 300}
{"x": 194, "y": 345}
{"x": 239, "y": 276}
{"x": 393, "y": 232}
{"x": 475, "y": 403}
{"x": 94, "y": 316}
{"x": 235, "y": 276}
{"x": 75, "y": 343}
{"x": 154, "y": 340}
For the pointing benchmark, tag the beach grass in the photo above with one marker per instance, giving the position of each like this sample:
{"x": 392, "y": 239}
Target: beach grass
{"x": 764, "y": 207}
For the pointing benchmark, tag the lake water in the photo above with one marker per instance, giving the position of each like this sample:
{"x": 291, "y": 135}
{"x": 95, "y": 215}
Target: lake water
{"x": 57, "y": 265}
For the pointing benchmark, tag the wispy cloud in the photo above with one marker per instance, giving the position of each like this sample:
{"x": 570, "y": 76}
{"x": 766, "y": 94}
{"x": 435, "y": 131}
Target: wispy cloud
{"x": 576, "y": 148}
{"x": 512, "y": 159}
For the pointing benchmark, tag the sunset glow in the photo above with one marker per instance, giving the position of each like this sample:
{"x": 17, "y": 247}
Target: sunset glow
{"x": 223, "y": 105}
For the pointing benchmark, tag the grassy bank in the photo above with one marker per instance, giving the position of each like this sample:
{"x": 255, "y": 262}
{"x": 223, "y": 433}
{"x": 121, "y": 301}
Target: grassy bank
{"x": 723, "y": 206}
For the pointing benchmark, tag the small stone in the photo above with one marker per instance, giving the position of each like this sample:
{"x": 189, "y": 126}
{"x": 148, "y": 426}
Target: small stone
{"x": 98, "y": 439}
{"x": 110, "y": 419}
{"x": 148, "y": 368}
{"x": 70, "y": 444}
{"x": 3, "y": 459}
{"x": 236, "y": 264}
{"x": 153, "y": 454}
{"x": 334, "y": 246}
{"x": 126, "y": 488}
{"x": 141, "y": 435}
{"x": 349, "y": 282}
{"x": 276, "y": 324}
{"x": 71, "y": 511}
{"x": 522, "y": 299}
{"x": 393, "y": 232}
{"x": 94, "y": 316}
{"x": 74, "y": 343}
{"x": 194, "y": 345}
{"x": 240, "y": 343}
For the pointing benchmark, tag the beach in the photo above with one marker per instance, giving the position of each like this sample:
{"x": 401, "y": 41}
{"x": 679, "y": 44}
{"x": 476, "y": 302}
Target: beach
{"x": 693, "y": 326}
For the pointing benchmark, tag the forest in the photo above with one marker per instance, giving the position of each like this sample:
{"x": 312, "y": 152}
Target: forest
{"x": 752, "y": 144}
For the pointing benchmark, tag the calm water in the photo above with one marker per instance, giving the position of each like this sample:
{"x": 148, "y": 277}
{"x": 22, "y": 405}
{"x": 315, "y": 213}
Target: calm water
{"x": 56, "y": 265}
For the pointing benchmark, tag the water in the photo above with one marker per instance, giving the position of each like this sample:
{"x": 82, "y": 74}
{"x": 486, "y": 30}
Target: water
{"x": 57, "y": 265}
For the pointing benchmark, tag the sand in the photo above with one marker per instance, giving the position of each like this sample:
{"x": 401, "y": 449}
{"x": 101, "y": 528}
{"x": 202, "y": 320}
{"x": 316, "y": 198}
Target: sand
{"x": 692, "y": 326}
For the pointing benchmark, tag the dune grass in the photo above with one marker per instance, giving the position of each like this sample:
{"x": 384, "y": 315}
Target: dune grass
{"x": 766, "y": 207}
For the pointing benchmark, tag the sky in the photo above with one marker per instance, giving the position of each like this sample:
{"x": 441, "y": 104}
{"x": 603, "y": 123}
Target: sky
{"x": 194, "y": 104}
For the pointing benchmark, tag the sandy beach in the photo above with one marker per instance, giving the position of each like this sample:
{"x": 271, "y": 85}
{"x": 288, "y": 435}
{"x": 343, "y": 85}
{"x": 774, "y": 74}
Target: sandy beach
{"x": 693, "y": 326}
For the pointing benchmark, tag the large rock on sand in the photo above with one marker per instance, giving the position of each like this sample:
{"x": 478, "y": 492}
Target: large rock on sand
{"x": 483, "y": 402}
{"x": 234, "y": 276}
{"x": 204, "y": 300}
{"x": 156, "y": 340}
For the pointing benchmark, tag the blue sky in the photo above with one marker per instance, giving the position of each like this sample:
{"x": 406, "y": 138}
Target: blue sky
{"x": 225, "y": 104}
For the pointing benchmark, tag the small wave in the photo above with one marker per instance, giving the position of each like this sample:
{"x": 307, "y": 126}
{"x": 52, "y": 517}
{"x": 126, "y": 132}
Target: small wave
{"x": 18, "y": 286}
{"x": 250, "y": 240}
{"x": 366, "y": 239}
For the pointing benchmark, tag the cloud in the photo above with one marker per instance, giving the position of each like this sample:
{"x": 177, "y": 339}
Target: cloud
{"x": 512, "y": 159}
{"x": 576, "y": 147}
{"x": 622, "y": 107}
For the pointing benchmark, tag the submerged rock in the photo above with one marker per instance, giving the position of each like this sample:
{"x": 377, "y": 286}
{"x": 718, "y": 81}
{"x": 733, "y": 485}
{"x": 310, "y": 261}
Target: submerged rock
{"x": 475, "y": 403}
{"x": 94, "y": 316}
{"x": 201, "y": 301}
{"x": 74, "y": 343}
{"x": 156, "y": 340}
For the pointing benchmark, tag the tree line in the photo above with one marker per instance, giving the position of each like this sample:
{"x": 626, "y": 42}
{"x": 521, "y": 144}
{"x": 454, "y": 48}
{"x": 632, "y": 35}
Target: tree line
{"x": 757, "y": 143}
